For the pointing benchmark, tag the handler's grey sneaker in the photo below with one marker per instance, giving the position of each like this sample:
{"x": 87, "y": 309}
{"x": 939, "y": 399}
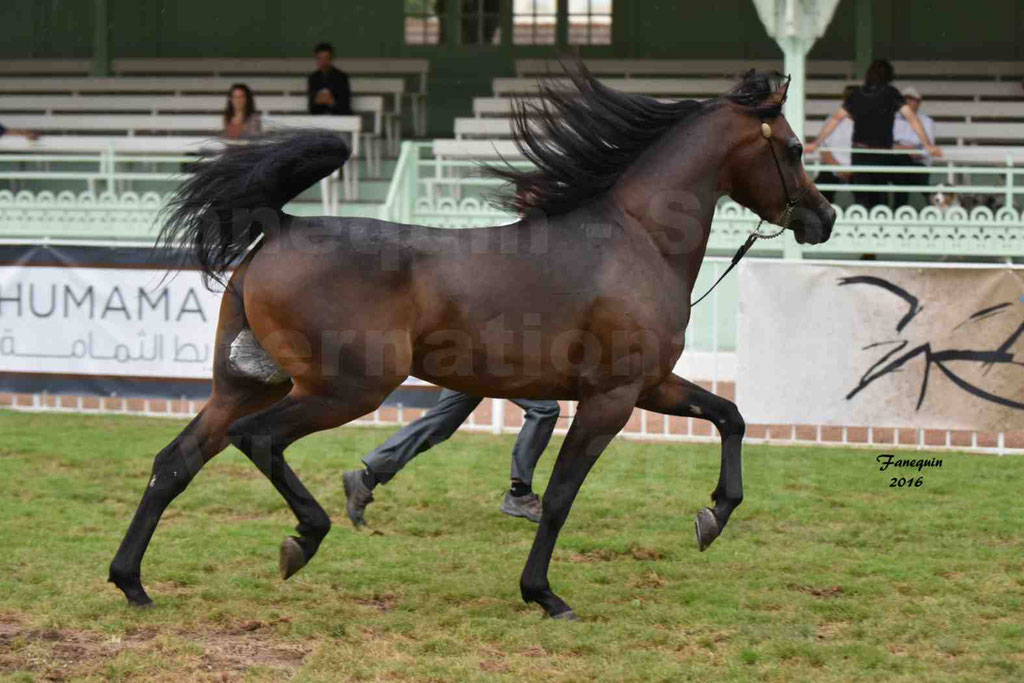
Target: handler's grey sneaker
{"x": 357, "y": 494}
{"x": 522, "y": 506}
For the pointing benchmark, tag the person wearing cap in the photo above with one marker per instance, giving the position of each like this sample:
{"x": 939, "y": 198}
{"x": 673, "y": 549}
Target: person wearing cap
{"x": 873, "y": 107}
{"x": 904, "y": 137}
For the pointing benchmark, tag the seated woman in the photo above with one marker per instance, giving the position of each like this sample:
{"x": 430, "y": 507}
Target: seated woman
{"x": 240, "y": 117}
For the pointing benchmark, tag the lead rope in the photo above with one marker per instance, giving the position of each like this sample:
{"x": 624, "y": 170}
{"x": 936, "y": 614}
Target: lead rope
{"x": 782, "y": 220}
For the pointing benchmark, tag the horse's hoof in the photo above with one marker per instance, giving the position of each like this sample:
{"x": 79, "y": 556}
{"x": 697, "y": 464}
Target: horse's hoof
{"x": 706, "y": 527}
{"x": 567, "y": 615}
{"x": 131, "y": 588}
{"x": 141, "y": 605}
{"x": 292, "y": 558}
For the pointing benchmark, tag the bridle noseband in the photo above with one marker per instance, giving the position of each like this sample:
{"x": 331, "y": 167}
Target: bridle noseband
{"x": 782, "y": 220}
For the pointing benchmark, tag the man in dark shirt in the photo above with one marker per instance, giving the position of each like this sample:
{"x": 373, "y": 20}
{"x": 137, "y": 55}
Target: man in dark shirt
{"x": 327, "y": 88}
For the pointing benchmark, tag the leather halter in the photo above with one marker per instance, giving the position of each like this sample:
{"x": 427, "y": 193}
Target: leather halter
{"x": 782, "y": 220}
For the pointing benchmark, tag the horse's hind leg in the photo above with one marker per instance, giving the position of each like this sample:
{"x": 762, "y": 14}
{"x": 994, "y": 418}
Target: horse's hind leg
{"x": 173, "y": 469}
{"x": 264, "y": 436}
{"x": 677, "y": 396}
{"x": 235, "y": 394}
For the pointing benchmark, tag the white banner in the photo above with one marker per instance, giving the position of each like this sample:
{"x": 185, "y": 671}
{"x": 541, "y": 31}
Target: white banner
{"x": 129, "y": 322}
{"x": 938, "y": 347}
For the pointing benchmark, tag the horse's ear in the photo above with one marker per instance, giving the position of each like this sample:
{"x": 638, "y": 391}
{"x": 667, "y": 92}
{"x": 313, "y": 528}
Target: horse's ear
{"x": 784, "y": 89}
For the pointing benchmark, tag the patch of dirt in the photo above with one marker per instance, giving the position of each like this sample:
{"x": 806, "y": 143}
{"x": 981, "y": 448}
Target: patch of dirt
{"x": 829, "y": 630}
{"x": 256, "y": 625}
{"x": 495, "y": 666}
{"x": 826, "y": 592}
{"x": 641, "y": 553}
{"x": 233, "y": 472}
{"x": 648, "y": 580}
{"x": 493, "y": 660}
{"x": 385, "y": 602}
{"x": 637, "y": 552}
{"x": 71, "y": 654}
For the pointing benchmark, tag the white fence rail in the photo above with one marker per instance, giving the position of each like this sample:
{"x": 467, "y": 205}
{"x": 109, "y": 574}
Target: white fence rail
{"x": 644, "y": 425}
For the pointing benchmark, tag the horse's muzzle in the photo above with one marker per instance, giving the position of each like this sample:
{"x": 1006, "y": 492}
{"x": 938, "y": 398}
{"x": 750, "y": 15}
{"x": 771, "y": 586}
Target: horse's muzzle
{"x": 813, "y": 225}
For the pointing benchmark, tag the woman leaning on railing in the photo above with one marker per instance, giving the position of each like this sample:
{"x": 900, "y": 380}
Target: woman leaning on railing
{"x": 873, "y": 107}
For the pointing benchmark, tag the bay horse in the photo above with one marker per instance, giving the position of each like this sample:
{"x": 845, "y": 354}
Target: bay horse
{"x": 586, "y": 298}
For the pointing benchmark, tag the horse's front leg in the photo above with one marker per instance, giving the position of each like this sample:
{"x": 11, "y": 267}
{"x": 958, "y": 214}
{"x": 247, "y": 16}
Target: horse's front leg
{"x": 677, "y": 396}
{"x": 598, "y": 419}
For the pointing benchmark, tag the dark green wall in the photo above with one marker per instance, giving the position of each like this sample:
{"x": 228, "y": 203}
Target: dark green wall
{"x": 45, "y": 28}
{"x": 252, "y": 28}
{"x": 922, "y": 30}
{"x": 726, "y": 29}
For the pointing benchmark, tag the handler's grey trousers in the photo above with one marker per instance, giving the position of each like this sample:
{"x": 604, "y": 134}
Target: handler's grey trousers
{"x": 441, "y": 421}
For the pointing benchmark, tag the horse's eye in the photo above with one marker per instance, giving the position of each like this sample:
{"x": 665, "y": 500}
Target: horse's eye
{"x": 796, "y": 150}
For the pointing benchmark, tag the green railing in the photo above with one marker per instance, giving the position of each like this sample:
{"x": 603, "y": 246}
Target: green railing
{"x": 449, "y": 194}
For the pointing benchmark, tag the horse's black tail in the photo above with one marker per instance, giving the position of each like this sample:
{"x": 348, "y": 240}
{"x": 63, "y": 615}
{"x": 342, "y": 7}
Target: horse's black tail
{"x": 233, "y": 194}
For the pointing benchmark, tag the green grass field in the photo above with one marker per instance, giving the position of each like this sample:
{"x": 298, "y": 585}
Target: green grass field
{"x": 824, "y": 573}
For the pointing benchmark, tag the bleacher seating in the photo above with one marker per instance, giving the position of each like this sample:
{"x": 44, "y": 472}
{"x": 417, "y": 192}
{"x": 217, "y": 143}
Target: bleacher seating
{"x": 372, "y": 105}
{"x": 714, "y": 86}
{"x": 980, "y": 103}
{"x": 979, "y": 108}
{"x": 475, "y": 149}
{"x": 161, "y": 108}
{"x": 958, "y": 133}
{"x": 161, "y": 134}
{"x": 630, "y": 68}
{"x": 52, "y": 113}
{"x": 45, "y": 67}
{"x": 393, "y": 78}
{"x": 938, "y": 109}
{"x": 181, "y": 86}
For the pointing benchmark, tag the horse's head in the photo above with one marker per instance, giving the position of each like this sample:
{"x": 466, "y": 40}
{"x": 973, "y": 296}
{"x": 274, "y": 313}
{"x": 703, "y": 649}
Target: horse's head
{"x": 764, "y": 171}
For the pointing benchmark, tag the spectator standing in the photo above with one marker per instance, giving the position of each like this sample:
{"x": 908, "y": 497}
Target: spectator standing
{"x": 437, "y": 425}
{"x": 903, "y": 137}
{"x": 837, "y": 154}
{"x": 327, "y": 88}
{"x": 241, "y": 119}
{"x": 873, "y": 107}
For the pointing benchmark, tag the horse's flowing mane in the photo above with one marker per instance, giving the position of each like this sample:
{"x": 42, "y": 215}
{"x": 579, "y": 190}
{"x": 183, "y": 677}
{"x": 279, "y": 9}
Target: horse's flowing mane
{"x": 581, "y": 139}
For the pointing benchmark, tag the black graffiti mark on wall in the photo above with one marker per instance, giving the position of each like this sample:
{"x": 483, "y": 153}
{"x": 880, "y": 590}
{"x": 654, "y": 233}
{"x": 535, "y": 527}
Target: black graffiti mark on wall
{"x": 913, "y": 305}
{"x": 891, "y": 362}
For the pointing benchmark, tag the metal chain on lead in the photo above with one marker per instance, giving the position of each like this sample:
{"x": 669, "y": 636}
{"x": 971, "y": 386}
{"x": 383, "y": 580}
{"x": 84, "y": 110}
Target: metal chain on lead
{"x": 785, "y": 214}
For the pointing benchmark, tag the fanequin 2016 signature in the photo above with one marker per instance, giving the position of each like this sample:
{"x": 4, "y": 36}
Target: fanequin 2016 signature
{"x": 888, "y": 460}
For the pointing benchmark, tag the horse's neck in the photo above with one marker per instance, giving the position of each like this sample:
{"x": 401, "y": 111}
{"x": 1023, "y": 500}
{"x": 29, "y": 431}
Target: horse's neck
{"x": 671, "y": 192}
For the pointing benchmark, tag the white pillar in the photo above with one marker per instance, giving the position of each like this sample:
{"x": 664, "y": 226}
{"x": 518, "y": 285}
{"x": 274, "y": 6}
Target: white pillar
{"x": 795, "y": 25}
{"x": 795, "y": 51}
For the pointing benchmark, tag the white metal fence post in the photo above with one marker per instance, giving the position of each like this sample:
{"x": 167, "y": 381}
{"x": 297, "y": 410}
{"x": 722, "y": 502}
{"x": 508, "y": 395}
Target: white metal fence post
{"x": 497, "y": 415}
